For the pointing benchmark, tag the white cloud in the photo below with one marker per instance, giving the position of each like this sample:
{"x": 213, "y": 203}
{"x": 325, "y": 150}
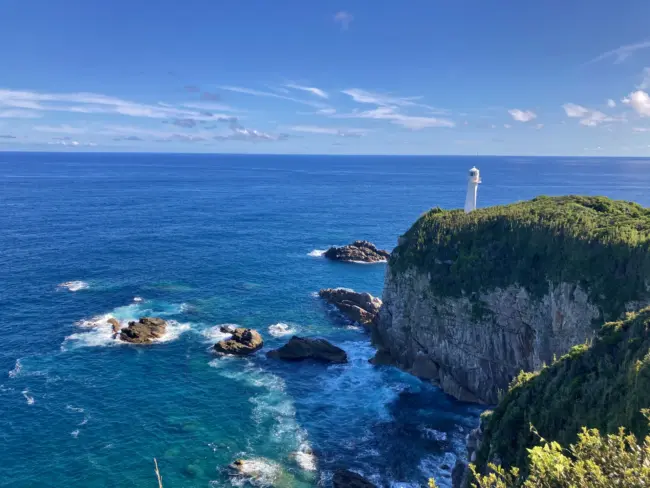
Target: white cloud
{"x": 259, "y": 93}
{"x": 310, "y": 89}
{"x": 408, "y": 121}
{"x": 588, "y": 117}
{"x": 640, "y": 102}
{"x": 507, "y": 126}
{"x": 60, "y": 129}
{"x": 90, "y": 103}
{"x": 641, "y": 129}
{"x": 621, "y": 53}
{"x": 521, "y": 115}
{"x": 344, "y": 19}
{"x": 363, "y": 96}
{"x": 19, "y": 114}
{"x": 611, "y": 103}
{"x": 312, "y": 129}
{"x": 645, "y": 83}
{"x": 539, "y": 126}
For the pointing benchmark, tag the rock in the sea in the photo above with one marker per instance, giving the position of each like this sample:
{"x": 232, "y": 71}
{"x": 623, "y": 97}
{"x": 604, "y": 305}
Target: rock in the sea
{"x": 299, "y": 348}
{"x": 227, "y": 329}
{"x": 242, "y": 342}
{"x": 116, "y": 325}
{"x": 344, "y": 478}
{"x": 144, "y": 330}
{"x": 359, "y": 307}
{"x": 362, "y": 251}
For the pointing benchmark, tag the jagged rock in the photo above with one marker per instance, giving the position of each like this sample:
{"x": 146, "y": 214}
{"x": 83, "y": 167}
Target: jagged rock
{"x": 344, "y": 478}
{"x": 227, "y": 329}
{"x": 362, "y": 251}
{"x": 299, "y": 348}
{"x": 359, "y": 307}
{"x": 116, "y": 325}
{"x": 242, "y": 342}
{"x": 144, "y": 330}
{"x": 459, "y": 474}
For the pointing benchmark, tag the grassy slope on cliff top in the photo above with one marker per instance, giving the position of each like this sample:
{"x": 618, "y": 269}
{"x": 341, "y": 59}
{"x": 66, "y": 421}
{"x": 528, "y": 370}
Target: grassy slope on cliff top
{"x": 603, "y": 386}
{"x": 601, "y": 243}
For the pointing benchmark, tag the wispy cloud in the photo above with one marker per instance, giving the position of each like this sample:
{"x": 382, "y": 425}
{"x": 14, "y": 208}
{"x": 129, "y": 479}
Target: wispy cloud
{"x": 588, "y": 117}
{"x": 310, "y": 89}
{"x": 645, "y": 82}
{"x": 259, "y": 93}
{"x": 241, "y": 133}
{"x": 640, "y": 102}
{"x": 128, "y": 138}
{"x": 344, "y": 19}
{"x": 333, "y": 131}
{"x": 60, "y": 129}
{"x": 611, "y": 103}
{"x": 621, "y": 53}
{"x": 31, "y": 104}
{"x": 364, "y": 96}
{"x": 641, "y": 129}
{"x": 7, "y": 136}
{"x": 412, "y": 122}
{"x": 522, "y": 115}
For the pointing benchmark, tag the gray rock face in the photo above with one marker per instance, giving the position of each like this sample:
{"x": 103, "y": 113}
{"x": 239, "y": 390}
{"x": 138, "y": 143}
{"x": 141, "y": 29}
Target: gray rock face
{"x": 358, "y": 307}
{"x": 242, "y": 343}
{"x": 362, "y": 251}
{"x": 300, "y": 348}
{"x": 474, "y": 353}
{"x": 143, "y": 331}
{"x": 344, "y": 478}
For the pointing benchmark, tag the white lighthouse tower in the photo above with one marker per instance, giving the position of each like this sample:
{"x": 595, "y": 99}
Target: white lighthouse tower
{"x": 472, "y": 189}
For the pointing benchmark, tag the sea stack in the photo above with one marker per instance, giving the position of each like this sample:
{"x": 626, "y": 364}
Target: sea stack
{"x": 143, "y": 331}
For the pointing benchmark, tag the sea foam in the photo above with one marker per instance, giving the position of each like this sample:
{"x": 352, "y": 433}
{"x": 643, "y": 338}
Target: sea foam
{"x": 74, "y": 285}
{"x": 317, "y": 253}
{"x": 281, "y": 329}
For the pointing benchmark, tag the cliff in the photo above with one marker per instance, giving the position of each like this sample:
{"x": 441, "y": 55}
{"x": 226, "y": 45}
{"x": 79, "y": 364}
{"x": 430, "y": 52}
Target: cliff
{"x": 470, "y": 300}
{"x": 604, "y": 386}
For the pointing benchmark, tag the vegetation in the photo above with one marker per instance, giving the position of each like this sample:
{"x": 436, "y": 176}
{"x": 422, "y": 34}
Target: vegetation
{"x": 602, "y": 386}
{"x": 595, "y": 461}
{"x": 600, "y": 243}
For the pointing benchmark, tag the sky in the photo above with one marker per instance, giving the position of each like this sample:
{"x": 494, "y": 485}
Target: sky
{"x": 326, "y": 77}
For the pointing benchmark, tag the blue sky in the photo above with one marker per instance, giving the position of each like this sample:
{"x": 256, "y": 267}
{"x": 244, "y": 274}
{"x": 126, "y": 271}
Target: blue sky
{"x": 327, "y": 77}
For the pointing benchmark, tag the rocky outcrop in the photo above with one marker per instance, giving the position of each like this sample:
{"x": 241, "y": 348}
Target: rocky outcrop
{"x": 242, "y": 343}
{"x": 358, "y": 251}
{"x": 358, "y": 307}
{"x": 143, "y": 331}
{"x": 344, "y": 478}
{"x": 300, "y": 348}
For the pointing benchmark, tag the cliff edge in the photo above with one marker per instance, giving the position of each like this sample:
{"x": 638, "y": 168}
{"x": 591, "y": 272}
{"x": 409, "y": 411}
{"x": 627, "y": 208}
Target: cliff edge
{"x": 470, "y": 300}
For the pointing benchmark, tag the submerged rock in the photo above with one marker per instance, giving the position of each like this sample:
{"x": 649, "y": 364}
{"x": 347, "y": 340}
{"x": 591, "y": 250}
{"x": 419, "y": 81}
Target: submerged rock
{"x": 358, "y": 307}
{"x": 361, "y": 251}
{"x": 144, "y": 330}
{"x": 344, "y": 478}
{"x": 242, "y": 342}
{"x": 300, "y": 348}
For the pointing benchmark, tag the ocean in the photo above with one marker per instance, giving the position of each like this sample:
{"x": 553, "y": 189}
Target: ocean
{"x": 205, "y": 240}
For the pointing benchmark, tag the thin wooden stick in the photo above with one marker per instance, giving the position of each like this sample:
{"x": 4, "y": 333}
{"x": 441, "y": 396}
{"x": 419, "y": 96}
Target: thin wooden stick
{"x": 160, "y": 485}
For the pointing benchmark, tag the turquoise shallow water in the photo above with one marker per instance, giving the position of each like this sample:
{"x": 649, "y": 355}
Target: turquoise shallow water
{"x": 207, "y": 240}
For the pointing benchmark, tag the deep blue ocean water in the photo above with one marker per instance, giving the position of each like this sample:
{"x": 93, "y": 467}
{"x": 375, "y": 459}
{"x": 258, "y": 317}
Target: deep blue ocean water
{"x": 205, "y": 240}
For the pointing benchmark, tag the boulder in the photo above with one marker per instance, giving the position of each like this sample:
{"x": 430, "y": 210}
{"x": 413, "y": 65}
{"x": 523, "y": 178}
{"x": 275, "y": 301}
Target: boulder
{"x": 358, "y": 307}
{"x": 361, "y": 251}
{"x": 242, "y": 342}
{"x": 143, "y": 331}
{"x": 299, "y": 348}
{"x": 116, "y": 325}
{"x": 344, "y": 478}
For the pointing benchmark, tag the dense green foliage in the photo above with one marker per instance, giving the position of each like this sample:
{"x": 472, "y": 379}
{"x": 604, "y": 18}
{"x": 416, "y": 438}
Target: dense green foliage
{"x": 603, "y": 385}
{"x": 601, "y": 243}
{"x": 595, "y": 461}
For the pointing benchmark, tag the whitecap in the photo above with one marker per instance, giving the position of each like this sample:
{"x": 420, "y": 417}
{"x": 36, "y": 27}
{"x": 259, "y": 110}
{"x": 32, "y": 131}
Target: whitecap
{"x": 305, "y": 457}
{"x": 84, "y": 421}
{"x": 433, "y": 434}
{"x": 317, "y": 253}
{"x": 28, "y": 397}
{"x": 214, "y": 334}
{"x": 257, "y": 472}
{"x": 74, "y": 285}
{"x": 281, "y": 329}
{"x": 75, "y": 433}
{"x": 70, "y": 408}
{"x": 18, "y": 367}
{"x": 137, "y": 299}
{"x": 381, "y": 261}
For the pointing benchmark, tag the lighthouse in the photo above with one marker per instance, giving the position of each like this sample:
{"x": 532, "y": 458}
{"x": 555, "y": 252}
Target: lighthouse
{"x": 472, "y": 188}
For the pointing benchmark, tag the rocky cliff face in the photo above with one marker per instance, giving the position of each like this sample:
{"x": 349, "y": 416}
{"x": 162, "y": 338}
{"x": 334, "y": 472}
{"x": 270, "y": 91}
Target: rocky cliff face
{"x": 473, "y": 351}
